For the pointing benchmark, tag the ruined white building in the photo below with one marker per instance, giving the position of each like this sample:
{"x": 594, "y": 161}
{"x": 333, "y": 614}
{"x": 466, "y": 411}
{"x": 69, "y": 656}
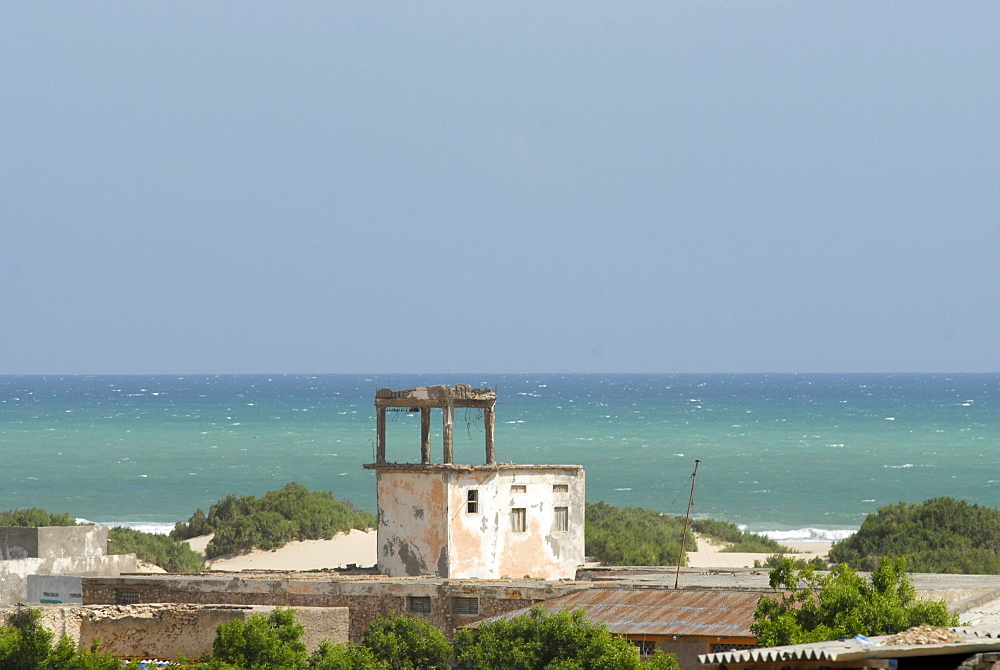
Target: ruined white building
{"x": 472, "y": 521}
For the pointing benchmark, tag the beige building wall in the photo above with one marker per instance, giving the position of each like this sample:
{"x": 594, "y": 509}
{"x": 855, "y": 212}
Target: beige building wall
{"x": 480, "y": 521}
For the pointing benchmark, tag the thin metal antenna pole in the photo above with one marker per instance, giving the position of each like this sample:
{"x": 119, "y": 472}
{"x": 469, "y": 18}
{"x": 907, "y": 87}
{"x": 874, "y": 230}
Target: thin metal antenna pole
{"x": 687, "y": 520}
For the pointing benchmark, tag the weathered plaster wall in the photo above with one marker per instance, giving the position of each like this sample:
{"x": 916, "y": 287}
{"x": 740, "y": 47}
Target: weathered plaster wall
{"x": 17, "y": 543}
{"x": 172, "y": 630}
{"x": 426, "y": 528}
{"x": 412, "y": 524}
{"x": 14, "y": 574}
{"x": 542, "y": 551}
{"x": 53, "y": 542}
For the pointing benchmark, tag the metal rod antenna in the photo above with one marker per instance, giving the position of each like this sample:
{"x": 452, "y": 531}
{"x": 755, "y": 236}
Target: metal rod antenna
{"x": 687, "y": 520}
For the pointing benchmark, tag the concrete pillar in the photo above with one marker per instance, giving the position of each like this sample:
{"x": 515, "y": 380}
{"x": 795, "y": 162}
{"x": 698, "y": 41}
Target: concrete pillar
{"x": 425, "y": 435}
{"x": 380, "y": 435}
{"x": 449, "y": 422}
{"x": 488, "y": 421}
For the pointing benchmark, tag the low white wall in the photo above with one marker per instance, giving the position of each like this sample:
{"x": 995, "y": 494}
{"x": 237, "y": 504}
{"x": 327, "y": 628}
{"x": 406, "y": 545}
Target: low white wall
{"x": 55, "y": 589}
{"x": 14, "y": 574}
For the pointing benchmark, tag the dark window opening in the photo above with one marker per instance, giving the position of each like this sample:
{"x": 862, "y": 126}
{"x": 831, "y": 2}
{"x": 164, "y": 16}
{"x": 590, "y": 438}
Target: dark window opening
{"x": 472, "y": 501}
{"x": 418, "y": 604}
{"x": 465, "y": 605}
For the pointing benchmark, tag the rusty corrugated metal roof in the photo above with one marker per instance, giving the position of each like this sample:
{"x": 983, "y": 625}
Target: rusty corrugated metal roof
{"x": 857, "y": 649}
{"x": 660, "y": 611}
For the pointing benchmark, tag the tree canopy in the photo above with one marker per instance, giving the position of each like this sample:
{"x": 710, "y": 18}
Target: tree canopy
{"x": 34, "y": 517}
{"x": 26, "y": 645}
{"x": 937, "y": 535}
{"x": 811, "y": 607}
{"x": 543, "y": 641}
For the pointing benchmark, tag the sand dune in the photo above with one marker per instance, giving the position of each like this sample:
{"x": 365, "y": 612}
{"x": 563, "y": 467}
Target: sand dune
{"x": 360, "y": 548}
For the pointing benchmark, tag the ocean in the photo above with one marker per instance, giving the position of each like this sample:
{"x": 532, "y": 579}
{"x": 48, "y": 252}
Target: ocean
{"x": 795, "y": 456}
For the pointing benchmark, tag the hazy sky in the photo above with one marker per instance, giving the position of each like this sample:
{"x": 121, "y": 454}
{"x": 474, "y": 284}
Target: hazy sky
{"x": 499, "y": 186}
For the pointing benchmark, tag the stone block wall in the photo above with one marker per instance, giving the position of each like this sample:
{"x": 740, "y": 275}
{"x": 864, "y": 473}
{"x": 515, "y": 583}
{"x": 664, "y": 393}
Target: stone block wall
{"x": 444, "y": 603}
{"x": 172, "y": 630}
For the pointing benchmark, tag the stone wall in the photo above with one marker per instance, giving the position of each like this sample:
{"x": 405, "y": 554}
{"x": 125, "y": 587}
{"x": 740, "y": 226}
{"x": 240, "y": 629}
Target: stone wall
{"x": 445, "y": 603}
{"x": 169, "y": 631}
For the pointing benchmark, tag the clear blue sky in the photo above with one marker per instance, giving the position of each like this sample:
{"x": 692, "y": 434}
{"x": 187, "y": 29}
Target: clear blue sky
{"x": 499, "y": 186}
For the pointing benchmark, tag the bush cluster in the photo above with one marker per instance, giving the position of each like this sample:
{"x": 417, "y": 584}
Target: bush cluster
{"x": 34, "y": 518}
{"x": 399, "y": 642}
{"x": 636, "y": 536}
{"x": 243, "y": 523}
{"x": 26, "y": 645}
{"x": 633, "y": 536}
{"x": 810, "y": 607}
{"x": 170, "y": 554}
{"x": 937, "y": 535}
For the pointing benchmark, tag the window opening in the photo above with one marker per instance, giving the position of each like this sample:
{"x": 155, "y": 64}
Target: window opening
{"x": 418, "y": 604}
{"x": 519, "y": 520}
{"x": 465, "y": 605}
{"x": 472, "y": 501}
{"x": 518, "y": 488}
{"x": 560, "y": 488}
{"x": 126, "y": 596}
{"x": 562, "y": 518}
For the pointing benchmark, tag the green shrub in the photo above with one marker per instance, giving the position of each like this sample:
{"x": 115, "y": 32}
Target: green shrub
{"x": 407, "y": 643}
{"x": 34, "y": 518}
{"x": 26, "y": 645}
{"x": 259, "y": 643}
{"x": 242, "y": 523}
{"x": 809, "y": 607}
{"x": 543, "y": 640}
{"x": 170, "y": 554}
{"x": 937, "y": 535}
{"x": 329, "y": 656}
{"x": 633, "y": 536}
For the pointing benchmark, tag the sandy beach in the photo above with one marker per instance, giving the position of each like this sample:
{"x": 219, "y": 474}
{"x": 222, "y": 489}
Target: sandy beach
{"x": 359, "y": 548}
{"x": 711, "y": 555}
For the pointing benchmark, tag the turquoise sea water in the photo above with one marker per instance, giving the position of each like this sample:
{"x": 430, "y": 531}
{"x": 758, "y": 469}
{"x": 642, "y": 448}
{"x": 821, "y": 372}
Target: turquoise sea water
{"x": 794, "y": 455}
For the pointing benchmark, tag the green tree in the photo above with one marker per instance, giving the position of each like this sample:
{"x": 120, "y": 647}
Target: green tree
{"x": 407, "y": 643}
{"x": 937, "y": 535}
{"x": 162, "y": 550}
{"x": 26, "y": 645}
{"x": 813, "y": 607}
{"x": 34, "y": 517}
{"x": 542, "y": 641}
{"x": 259, "y": 643}
{"x": 329, "y": 656}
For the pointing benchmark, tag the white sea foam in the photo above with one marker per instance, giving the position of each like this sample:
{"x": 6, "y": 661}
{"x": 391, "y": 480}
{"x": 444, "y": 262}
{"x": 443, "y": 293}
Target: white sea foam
{"x": 809, "y": 534}
{"x": 155, "y": 527}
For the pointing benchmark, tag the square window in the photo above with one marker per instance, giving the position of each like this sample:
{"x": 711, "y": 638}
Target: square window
{"x": 465, "y": 605}
{"x": 418, "y": 604}
{"x": 562, "y": 519}
{"x": 560, "y": 488}
{"x": 518, "y": 488}
{"x": 472, "y": 501}
{"x": 518, "y": 520}
{"x": 126, "y": 596}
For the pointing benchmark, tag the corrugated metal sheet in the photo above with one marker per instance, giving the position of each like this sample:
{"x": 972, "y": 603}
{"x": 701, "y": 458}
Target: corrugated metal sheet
{"x": 723, "y": 614}
{"x": 977, "y": 640}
